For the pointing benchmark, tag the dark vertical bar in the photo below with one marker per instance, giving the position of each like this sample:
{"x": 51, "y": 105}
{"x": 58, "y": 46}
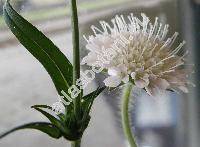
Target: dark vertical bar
{"x": 189, "y": 11}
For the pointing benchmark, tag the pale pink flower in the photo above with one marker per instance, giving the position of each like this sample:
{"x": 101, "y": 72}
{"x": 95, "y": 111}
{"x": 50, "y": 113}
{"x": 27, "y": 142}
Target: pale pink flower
{"x": 137, "y": 51}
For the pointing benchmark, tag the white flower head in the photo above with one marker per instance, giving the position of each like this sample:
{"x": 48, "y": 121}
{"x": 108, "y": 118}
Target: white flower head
{"x": 137, "y": 50}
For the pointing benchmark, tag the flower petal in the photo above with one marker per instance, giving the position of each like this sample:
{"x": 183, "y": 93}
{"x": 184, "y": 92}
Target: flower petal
{"x": 114, "y": 71}
{"x": 141, "y": 83}
{"x": 90, "y": 59}
{"x": 153, "y": 91}
{"x": 184, "y": 89}
{"x": 162, "y": 83}
{"x": 112, "y": 81}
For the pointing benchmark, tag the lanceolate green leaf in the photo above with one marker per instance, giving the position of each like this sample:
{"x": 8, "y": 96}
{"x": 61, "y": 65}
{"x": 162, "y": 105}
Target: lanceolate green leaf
{"x": 88, "y": 101}
{"x": 51, "y": 118}
{"x": 54, "y": 61}
{"x": 61, "y": 116}
{"x": 42, "y": 106}
{"x": 94, "y": 94}
{"x": 44, "y": 127}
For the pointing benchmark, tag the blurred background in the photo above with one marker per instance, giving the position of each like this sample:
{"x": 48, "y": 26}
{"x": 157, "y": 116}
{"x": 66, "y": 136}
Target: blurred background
{"x": 170, "y": 120}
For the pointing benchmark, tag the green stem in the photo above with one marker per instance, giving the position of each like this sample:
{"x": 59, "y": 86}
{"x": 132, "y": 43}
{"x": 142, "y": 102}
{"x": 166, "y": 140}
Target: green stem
{"x": 125, "y": 115}
{"x": 76, "y": 63}
{"x": 76, "y": 54}
{"x": 76, "y": 143}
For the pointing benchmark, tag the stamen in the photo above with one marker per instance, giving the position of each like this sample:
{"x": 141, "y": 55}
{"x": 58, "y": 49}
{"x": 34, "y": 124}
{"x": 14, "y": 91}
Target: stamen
{"x": 124, "y": 23}
{"x": 165, "y": 31}
{"x": 161, "y": 61}
{"x": 151, "y": 30}
{"x": 95, "y": 30}
{"x": 142, "y": 52}
{"x": 184, "y": 55}
{"x": 154, "y": 27}
{"x": 85, "y": 38}
{"x": 177, "y": 65}
{"x": 187, "y": 82}
{"x": 120, "y": 23}
{"x": 145, "y": 22}
{"x": 157, "y": 35}
{"x": 178, "y": 48}
{"x": 115, "y": 27}
{"x": 138, "y": 23}
{"x": 166, "y": 44}
{"x": 167, "y": 71}
{"x": 154, "y": 47}
{"x": 173, "y": 38}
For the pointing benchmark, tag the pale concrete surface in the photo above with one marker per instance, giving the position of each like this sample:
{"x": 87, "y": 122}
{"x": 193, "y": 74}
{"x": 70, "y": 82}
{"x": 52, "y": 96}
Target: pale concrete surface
{"x": 23, "y": 82}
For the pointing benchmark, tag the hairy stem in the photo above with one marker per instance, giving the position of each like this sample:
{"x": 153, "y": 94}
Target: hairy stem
{"x": 76, "y": 143}
{"x": 76, "y": 62}
{"x": 76, "y": 54}
{"x": 125, "y": 115}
